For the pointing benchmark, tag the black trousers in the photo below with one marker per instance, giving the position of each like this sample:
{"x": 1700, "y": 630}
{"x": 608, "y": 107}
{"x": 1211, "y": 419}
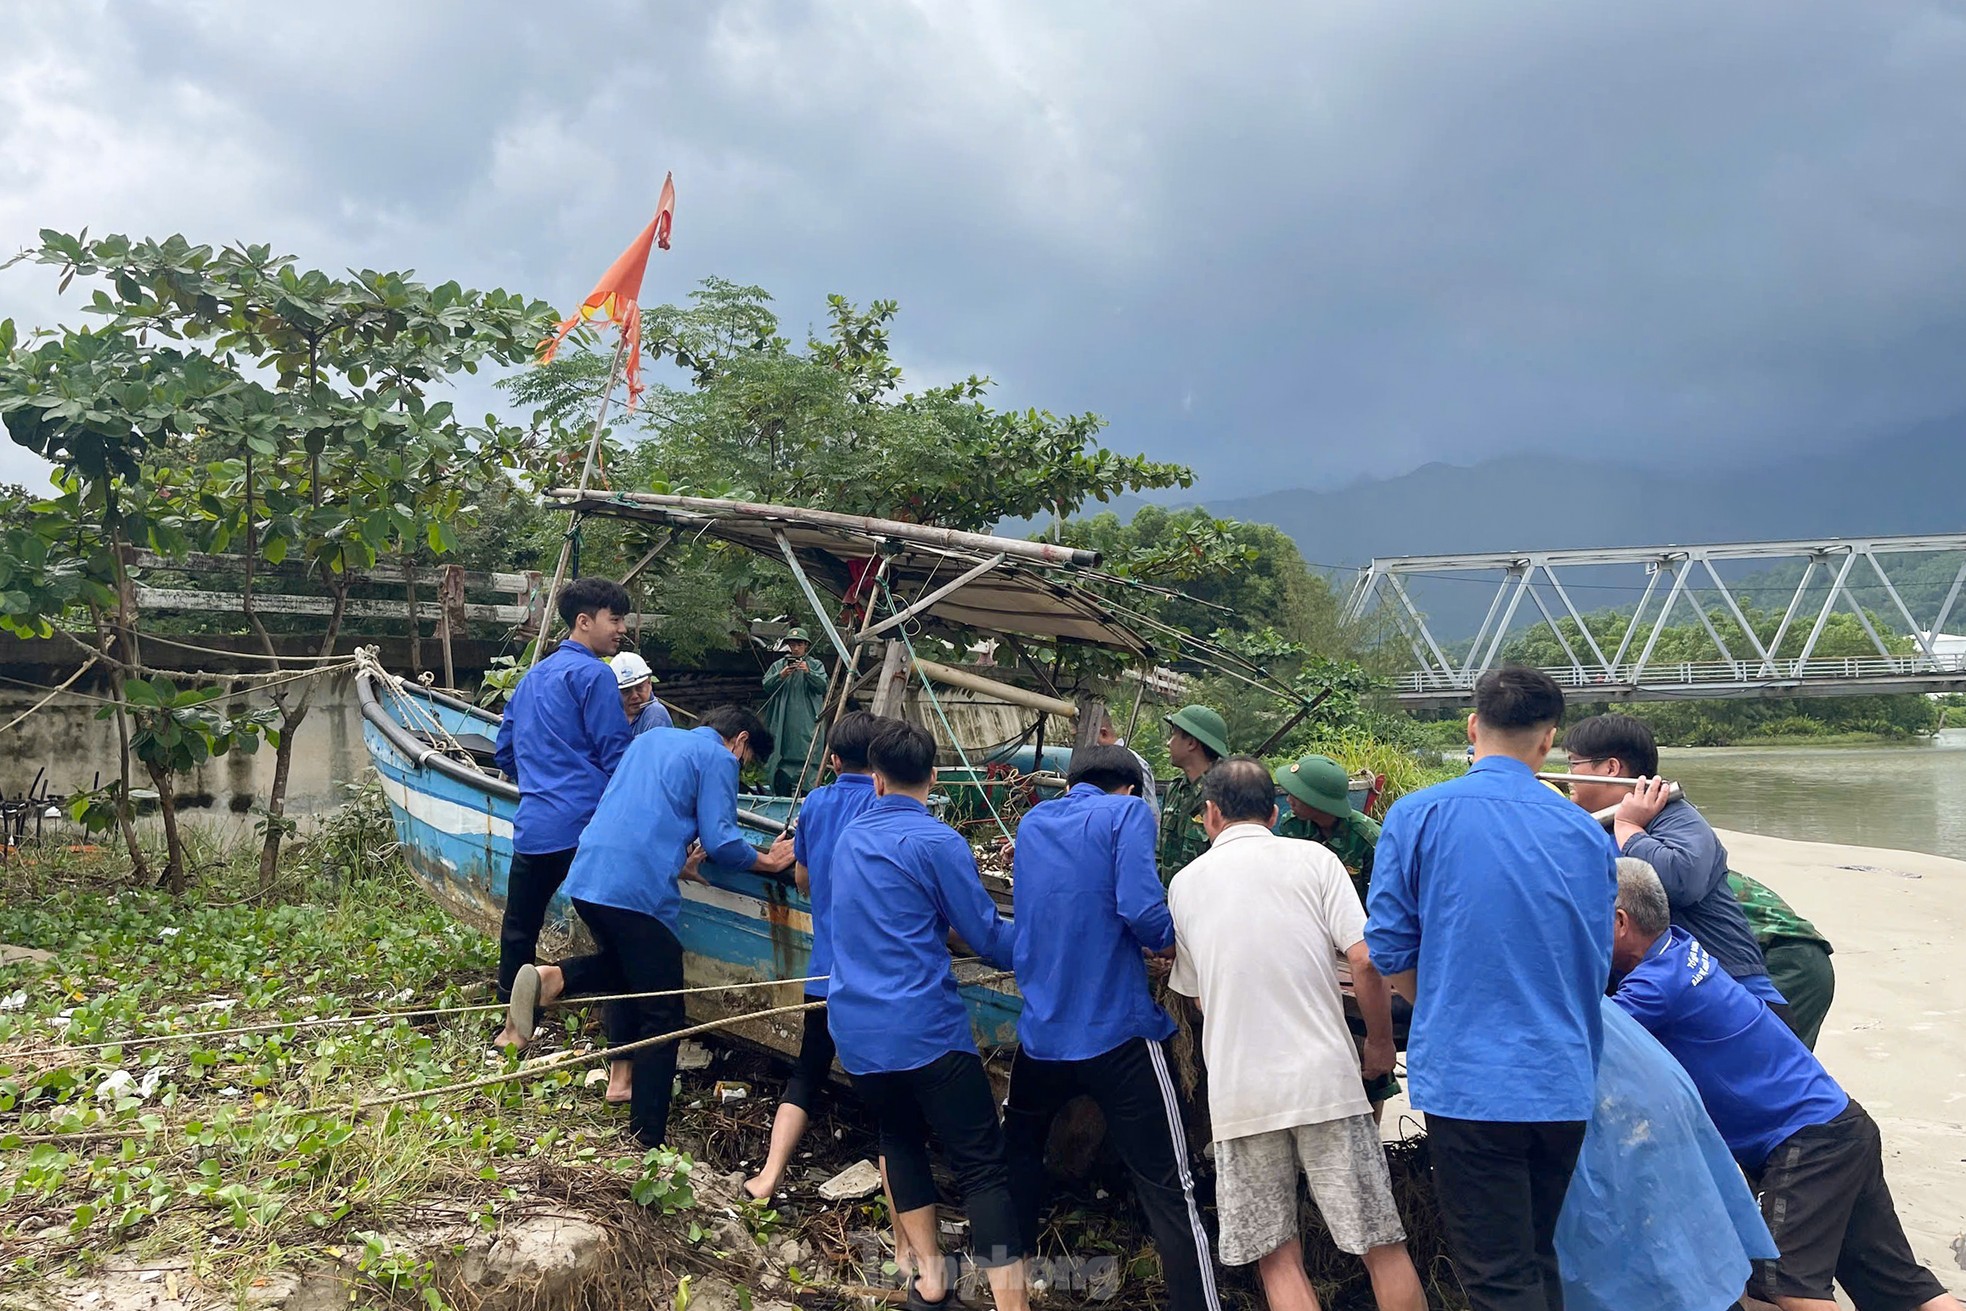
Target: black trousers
{"x": 1135, "y": 1092}
{"x": 529, "y": 886}
{"x": 1500, "y": 1188}
{"x": 814, "y": 1065}
{"x": 951, "y": 1096}
{"x": 637, "y": 953}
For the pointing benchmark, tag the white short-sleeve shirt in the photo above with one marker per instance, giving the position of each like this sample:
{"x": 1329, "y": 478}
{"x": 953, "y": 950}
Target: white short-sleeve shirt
{"x": 1260, "y": 923}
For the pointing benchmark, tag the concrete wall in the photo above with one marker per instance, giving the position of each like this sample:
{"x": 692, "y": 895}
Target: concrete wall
{"x": 70, "y": 750}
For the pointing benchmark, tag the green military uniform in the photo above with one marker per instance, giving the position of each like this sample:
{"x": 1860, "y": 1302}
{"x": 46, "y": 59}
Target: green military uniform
{"x": 1182, "y": 837}
{"x": 1322, "y": 784}
{"x": 791, "y": 712}
{"x": 1352, "y": 841}
{"x": 1797, "y": 955}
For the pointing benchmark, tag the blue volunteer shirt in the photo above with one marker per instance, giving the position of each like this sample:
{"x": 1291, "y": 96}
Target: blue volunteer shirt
{"x": 1692, "y": 863}
{"x": 827, "y": 810}
{"x": 654, "y": 715}
{"x": 1759, "y": 1083}
{"x": 901, "y": 880}
{"x": 674, "y": 787}
{"x": 1499, "y": 891}
{"x": 1088, "y": 899}
{"x": 562, "y": 735}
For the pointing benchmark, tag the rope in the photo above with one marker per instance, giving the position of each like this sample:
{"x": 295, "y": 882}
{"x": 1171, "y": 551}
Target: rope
{"x": 369, "y": 660}
{"x": 935, "y": 701}
{"x": 561, "y": 1062}
{"x": 29, "y": 712}
{"x": 240, "y": 655}
{"x": 418, "y": 1012}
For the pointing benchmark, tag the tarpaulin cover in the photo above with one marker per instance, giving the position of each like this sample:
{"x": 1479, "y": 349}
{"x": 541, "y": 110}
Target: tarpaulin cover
{"x": 1658, "y": 1214}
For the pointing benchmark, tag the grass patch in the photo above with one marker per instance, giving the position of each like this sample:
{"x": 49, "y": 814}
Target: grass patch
{"x": 246, "y": 1153}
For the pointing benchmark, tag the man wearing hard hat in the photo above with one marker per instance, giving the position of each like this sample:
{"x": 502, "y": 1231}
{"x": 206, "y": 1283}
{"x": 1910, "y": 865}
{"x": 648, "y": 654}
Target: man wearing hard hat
{"x": 637, "y": 683}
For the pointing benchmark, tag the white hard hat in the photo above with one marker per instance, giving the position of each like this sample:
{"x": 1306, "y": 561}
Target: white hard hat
{"x": 630, "y": 669}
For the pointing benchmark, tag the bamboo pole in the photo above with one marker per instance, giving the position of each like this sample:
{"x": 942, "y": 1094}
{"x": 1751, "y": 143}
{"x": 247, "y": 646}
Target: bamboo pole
{"x": 926, "y": 534}
{"x": 573, "y": 516}
{"x": 950, "y": 676}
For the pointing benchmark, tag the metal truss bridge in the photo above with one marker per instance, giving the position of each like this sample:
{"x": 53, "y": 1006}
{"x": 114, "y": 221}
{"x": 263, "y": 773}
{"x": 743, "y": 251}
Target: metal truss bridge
{"x": 1689, "y": 580}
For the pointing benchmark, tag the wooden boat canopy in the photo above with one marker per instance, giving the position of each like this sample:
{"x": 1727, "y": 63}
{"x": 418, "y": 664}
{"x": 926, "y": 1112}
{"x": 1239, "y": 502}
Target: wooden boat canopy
{"x": 957, "y": 581}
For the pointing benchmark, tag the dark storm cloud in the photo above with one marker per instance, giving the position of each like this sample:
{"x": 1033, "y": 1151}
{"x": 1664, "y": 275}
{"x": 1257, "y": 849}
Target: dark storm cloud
{"x": 1326, "y": 242}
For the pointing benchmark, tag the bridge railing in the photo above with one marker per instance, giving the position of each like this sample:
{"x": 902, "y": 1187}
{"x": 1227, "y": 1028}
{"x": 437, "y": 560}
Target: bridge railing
{"x": 1659, "y": 673}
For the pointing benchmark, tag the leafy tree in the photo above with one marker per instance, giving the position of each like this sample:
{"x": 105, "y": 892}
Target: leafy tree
{"x": 295, "y": 422}
{"x": 825, "y": 423}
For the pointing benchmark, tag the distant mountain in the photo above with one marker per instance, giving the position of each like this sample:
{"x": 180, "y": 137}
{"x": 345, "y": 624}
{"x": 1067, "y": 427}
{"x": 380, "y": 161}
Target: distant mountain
{"x": 1914, "y": 482}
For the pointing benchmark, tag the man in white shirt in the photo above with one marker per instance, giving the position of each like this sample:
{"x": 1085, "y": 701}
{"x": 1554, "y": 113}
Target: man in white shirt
{"x": 1260, "y": 924}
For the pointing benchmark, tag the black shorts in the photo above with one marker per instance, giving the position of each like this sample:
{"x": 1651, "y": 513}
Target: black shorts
{"x": 1823, "y": 1195}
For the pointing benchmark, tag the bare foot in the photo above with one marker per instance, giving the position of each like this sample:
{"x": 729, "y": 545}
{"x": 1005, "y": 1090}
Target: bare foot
{"x": 621, "y": 1082}
{"x": 755, "y": 1189}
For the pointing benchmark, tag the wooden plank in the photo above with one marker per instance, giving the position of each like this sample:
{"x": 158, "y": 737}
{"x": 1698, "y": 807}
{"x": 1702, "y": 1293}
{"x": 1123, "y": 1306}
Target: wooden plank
{"x": 199, "y": 561}
{"x": 893, "y": 681}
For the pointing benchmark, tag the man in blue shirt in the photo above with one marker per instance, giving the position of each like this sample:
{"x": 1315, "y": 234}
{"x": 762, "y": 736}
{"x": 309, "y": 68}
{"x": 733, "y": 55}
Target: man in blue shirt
{"x": 562, "y": 735}
{"x": 674, "y": 788}
{"x": 1491, "y": 908}
{"x": 827, "y": 810}
{"x": 1088, "y": 904}
{"x": 1815, "y": 1157}
{"x": 901, "y": 881}
{"x": 1673, "y": 838}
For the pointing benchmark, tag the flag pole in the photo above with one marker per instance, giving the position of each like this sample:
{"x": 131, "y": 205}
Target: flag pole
{"x": 573, "y": 516}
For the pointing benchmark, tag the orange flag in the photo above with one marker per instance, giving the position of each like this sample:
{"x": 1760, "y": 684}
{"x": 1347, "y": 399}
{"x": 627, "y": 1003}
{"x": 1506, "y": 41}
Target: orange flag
{"x": 617, "y": 297}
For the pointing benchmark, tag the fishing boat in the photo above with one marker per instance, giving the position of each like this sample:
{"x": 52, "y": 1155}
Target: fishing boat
{"x": 891, "y": 584}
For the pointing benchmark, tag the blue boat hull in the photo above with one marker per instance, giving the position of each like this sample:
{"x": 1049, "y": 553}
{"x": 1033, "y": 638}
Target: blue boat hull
{"x": 742, "y": 928}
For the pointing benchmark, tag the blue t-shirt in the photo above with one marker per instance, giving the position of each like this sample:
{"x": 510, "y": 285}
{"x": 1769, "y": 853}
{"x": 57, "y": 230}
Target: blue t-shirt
{"x": 674, "y": 787}
{"x": 1088, "y": 900}
{"x": 1499, "y": 892}
{"x": 1692, "y": 864}
{"x": 901, "y": 880}
{"x": 1759, "y": 1083}
{"x": 653, "y": 715}
{"x": 562, "y": 735}
{"x": 827, "y": 810}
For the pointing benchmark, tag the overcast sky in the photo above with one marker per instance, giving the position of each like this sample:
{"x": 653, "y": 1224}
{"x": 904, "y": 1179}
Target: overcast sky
{"x": 1293, "y": 244}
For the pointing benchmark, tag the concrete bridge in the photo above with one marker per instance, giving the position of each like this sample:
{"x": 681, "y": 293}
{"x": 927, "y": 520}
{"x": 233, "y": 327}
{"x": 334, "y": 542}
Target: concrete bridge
{"x": 1690, "y": 579}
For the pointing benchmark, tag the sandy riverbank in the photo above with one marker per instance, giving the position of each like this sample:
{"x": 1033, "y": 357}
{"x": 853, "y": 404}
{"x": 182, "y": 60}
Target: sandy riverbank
{"x": 1896, "y": 1035}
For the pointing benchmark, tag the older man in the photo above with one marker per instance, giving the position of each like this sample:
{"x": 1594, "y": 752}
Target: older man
{"x": 1197, "y": 737}
{"x": 795, "y": 693}
{"x": 1815, "y": 1157}
{"x": 638, "y": 700}
{"x": 1260, "y": 925}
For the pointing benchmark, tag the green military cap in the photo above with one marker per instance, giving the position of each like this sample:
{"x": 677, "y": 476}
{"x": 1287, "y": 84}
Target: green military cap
{"x": 795, "y": 634}
{"x": 1319, "y": 782}
{"x": 1204, "y": 726}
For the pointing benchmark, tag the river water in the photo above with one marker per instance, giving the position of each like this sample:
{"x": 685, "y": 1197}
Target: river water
{"x": 1911, "y": 797}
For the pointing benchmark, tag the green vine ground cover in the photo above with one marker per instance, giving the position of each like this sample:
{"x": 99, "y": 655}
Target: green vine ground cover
{"x": 236, "y": 1157}
{"x": 246, "y": 1153}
